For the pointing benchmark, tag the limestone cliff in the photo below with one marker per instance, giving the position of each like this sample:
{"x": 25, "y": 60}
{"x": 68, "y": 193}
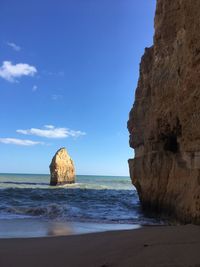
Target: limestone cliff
{"x": 62, "y": 168}
{"x": 164, "y": 121}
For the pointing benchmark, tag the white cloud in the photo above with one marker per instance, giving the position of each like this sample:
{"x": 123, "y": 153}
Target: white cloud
{"x": 34, "y": 88}
{"x": 14, "y": 46}
{"x": 49, "y": 126}
{"x": 10, "y": 72}
{"x": 51, "y": 131}
{"x": 19, "y": 142}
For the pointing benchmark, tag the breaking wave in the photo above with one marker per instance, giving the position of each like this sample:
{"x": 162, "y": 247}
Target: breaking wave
{"x": 91, "y": 199}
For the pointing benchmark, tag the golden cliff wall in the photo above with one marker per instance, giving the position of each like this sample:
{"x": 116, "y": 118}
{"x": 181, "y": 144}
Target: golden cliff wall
{"x": 164, "y": 122}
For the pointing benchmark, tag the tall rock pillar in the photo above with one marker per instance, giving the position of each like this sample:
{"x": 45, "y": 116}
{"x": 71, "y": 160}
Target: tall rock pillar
{"x": 62, "y": 168}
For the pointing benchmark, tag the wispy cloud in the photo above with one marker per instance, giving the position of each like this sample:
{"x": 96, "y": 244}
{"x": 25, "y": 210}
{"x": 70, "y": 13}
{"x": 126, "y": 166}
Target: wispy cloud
{"x": 19, "y": 142}
{"x": 34, "y": 88}
{"x": 51, "y": 73}
{"x": 56, "y": 97}
{"x": 50, "y": 131}
{"x": 10, "y": 72}
{"x": 14, "y": 46}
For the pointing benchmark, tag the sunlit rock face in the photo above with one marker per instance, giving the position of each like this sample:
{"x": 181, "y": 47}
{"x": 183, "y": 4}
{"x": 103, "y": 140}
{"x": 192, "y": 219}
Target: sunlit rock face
{"x": 62, "y": 168}
{"x": 164, "y": 122}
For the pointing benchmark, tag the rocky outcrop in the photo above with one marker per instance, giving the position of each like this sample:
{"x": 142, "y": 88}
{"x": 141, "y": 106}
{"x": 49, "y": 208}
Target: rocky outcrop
{"x": 62, "y": 168}
{"x": 164, "y": 121}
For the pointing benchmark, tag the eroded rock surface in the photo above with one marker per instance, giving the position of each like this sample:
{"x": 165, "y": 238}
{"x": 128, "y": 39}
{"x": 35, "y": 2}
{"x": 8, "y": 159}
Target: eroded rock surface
{"x": 164, "y": 123}
{"x": 62, "y": 168}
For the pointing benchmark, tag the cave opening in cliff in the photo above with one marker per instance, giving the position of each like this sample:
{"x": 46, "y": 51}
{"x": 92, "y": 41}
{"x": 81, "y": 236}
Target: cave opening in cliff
{"x": 171, "y": 143}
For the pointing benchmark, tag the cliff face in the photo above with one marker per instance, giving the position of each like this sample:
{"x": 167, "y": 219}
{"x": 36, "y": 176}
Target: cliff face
{"x": 164, "y": 123}
{"x": 62, "y": 168}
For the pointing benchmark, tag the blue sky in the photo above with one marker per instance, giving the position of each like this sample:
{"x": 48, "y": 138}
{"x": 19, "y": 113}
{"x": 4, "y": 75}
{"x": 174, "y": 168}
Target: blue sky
{"x": 68, "y": 71}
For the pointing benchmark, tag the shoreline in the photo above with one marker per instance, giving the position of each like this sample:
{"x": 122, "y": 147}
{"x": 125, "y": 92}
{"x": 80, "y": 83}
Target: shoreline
{"x": 36, "y": 228}
{"x": 147, "y": 246}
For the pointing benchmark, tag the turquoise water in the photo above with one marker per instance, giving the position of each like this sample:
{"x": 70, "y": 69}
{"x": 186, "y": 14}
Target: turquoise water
{"x": 92, "y": 200}
{"x": 82, "y": 181}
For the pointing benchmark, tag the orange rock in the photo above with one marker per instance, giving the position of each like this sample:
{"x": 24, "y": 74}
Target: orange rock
{"x": 164, "y": 123}
{"x": 62, "y": 168}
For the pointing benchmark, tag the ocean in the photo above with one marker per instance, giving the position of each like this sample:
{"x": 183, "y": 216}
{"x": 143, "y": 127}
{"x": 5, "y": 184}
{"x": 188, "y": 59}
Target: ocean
{"x": 29, "y": 207}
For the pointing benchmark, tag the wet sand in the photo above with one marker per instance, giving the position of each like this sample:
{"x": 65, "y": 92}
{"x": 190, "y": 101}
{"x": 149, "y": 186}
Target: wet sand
{"x": 29, "y": 227}
{"x": 161, "y": 246}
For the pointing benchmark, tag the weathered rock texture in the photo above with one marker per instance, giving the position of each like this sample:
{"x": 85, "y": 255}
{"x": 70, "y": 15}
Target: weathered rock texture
{"x": 62, "y": 168}
{"x": 164, "y": 123}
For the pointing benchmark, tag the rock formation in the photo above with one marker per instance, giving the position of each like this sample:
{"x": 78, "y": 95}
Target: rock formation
{"x": 164, "y": 121}
{"x": 62, "y": 168}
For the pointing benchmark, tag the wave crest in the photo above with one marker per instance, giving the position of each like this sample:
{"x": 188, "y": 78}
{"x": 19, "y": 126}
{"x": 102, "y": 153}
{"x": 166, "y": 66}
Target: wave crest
{"x": 50, "y": 211}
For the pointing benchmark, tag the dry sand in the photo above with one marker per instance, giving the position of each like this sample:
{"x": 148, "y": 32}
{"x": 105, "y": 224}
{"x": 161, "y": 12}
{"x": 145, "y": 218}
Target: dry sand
{"x": 149, "y": 247}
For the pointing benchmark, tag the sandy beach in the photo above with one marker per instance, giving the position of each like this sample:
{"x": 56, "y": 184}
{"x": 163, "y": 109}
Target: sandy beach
{"x": 148, "y": 246}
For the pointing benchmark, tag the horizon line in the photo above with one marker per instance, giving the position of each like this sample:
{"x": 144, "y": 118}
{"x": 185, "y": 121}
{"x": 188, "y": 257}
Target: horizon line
{"x": 76, "y": 174}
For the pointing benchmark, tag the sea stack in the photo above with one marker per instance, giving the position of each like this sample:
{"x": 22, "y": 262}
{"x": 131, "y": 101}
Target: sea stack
{"x": 62, "y": 168}
{"x": 164, "y": 121}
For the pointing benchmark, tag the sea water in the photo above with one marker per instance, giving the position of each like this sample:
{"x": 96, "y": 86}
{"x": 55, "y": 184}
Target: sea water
{"x": 29, "y": 206}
